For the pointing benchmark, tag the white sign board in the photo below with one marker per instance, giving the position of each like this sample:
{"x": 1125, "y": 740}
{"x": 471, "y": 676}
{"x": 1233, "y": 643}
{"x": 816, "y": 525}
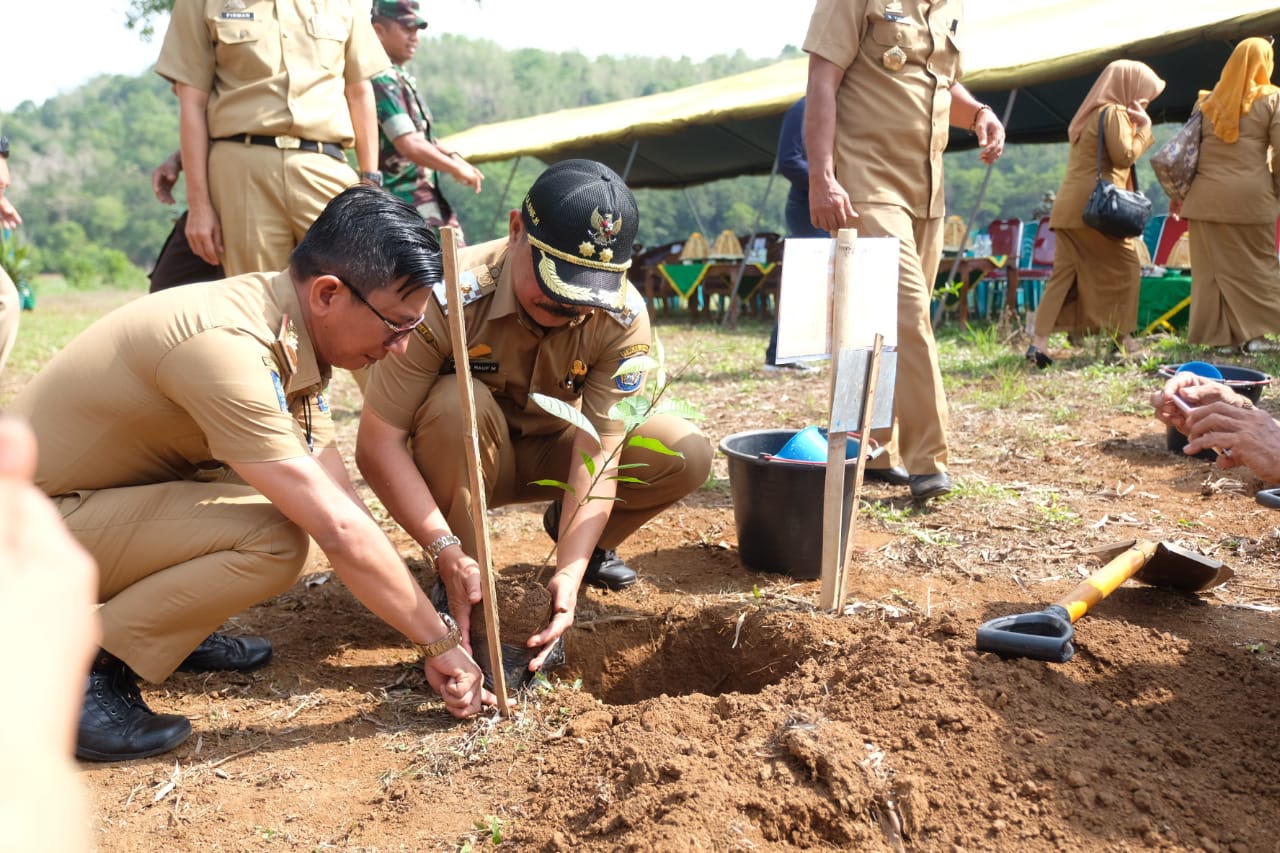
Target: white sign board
{"x": 805, "y": 293}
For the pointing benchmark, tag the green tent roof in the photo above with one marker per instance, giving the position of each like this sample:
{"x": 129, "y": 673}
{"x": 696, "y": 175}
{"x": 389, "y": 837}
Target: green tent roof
{"x": 1050, "y": 55}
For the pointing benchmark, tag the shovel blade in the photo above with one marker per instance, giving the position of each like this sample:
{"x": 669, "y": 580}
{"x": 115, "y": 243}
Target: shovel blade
{"x": 1044, "y": 635}
{"x": 1173, "y": 567}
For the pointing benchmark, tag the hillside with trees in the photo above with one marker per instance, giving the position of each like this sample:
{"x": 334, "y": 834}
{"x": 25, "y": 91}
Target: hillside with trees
{"x": 82, "y": 161}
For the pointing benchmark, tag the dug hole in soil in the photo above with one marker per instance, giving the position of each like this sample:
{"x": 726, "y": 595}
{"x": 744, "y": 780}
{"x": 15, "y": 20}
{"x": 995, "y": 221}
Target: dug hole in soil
{"x": 711, "y": 708}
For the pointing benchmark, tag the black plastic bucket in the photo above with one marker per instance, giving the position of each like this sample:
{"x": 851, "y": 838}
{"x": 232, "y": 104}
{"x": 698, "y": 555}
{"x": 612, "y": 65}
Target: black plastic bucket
{"x": 1245, "y": 381}
{"x": 777, "y": 504}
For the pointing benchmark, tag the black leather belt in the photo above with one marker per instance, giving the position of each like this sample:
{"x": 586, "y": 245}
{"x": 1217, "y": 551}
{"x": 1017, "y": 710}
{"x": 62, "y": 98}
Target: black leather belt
{"x": 288, "y": 143}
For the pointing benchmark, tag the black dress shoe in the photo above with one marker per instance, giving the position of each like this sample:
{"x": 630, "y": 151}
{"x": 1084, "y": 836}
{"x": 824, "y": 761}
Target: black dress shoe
{"x": 925, "y": 486}
{"x": 1039, "y": 358}
{"x": 115, "y": 724}
{"x": 220, "y": 652}
{"x": 895, "y": 476}
{"x": 605, "y": 569}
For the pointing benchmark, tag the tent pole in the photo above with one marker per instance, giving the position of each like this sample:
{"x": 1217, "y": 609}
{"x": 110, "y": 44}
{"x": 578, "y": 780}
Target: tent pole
{"x": 973, "y": 214}
{"x": 731, "y": 313}
{"x": 503, "y": 198}
{"x": 694, "y": 210}
{"x": 631, "y": 158}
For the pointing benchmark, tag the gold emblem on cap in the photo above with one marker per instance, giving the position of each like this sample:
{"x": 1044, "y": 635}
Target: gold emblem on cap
{"x": 894, "y": 58}
{"x": 533, "y": 214}
{"x": 604, "y": 230}
{"x": 586, "y": 249}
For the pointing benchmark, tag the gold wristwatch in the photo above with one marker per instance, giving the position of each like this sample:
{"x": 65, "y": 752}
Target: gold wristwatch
{"x": 448, "y": 641}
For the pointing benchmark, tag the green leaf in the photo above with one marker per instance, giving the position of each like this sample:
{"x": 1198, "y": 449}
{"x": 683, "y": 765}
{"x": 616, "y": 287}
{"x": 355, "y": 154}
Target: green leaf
{"x": 632, "y": 465}
{"x": 566, "y": 413}
{"x": 636, "y": 364}
{"x": 555, "y": 484}
{"x": 588, "y": 462}
{"x": 679, "y": 408}
{"x": 632, "y": 411}
{"x": 603, "y": 498}
{"x": 653, "y": 444}
{"x": 636, "y": 480}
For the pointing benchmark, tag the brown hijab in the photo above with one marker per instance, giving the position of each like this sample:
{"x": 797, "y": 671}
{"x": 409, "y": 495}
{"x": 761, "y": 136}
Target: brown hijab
{"x": 1245, "y": 78}
{"x": 1120, "y": 83}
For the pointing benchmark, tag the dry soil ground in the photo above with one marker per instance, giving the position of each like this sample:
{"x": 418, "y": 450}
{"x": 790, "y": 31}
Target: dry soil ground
{"x": 711, "y": 708}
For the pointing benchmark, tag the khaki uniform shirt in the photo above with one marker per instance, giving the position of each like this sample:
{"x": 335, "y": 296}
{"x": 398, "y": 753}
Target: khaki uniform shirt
{"x": 893, "y": 107}
{"x": 514, "y": 356}
{"x": 273, "y": 67}
{"x": 170, "y": 386}
{"x": 1239, "y": 182}
{"x": 1122, "y": 146}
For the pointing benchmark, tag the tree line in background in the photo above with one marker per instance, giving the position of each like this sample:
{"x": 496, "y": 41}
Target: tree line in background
{"x": 82, "y": 161}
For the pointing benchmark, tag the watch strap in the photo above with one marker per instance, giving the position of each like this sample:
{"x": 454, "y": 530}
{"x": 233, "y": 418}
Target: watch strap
{"x": 432, "y": 552}
{"x": 445, "y": 643}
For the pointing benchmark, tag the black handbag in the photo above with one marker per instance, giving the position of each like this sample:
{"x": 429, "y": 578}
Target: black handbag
{"x": 1113, "y": 210}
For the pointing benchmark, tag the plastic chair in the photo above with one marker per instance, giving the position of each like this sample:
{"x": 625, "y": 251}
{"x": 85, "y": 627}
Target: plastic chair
{"x": 1151, "y": 234}
{"x": 1031, "y": 275}
{"x": 1169, "y": 234}
{"x": 1006, "y": 240}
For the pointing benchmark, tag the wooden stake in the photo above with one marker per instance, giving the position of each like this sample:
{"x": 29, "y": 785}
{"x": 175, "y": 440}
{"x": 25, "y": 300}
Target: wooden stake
{"x": 834, "y": 519}
{"x": 471, "y": 441}
{"x": 864, "y": 427}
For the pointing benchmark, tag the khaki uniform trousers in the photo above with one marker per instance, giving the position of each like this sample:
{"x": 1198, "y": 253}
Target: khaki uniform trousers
{"x": 510, "y": 464}
{"x": 918, "y": 439}
{"x": 176, "y": 560}
{"x": 10, "y": 311}
{"x": 266, "y": 199}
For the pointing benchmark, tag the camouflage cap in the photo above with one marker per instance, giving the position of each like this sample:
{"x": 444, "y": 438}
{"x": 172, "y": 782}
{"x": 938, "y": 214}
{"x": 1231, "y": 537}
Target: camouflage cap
{"x": 404, "y": 11}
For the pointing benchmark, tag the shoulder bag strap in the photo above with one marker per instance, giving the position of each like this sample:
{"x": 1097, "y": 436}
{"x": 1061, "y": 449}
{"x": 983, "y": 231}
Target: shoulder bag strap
{"x": 1133, "y": 168}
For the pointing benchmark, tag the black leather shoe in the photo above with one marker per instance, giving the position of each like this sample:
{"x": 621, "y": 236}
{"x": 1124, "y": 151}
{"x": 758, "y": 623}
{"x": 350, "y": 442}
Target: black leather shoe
{"x": 220, "y": 652}
{"x": 895, "y": 476}
{"x": 605, "y": 569}
{"x": 925, "y": 486}
{"x": 1039, "y": 358}
{"x": 115, "y": 724}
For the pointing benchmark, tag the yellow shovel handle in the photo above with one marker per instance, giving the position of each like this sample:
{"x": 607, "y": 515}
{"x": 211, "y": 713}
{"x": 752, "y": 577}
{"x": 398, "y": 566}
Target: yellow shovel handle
{"x": 1101, "y": 583}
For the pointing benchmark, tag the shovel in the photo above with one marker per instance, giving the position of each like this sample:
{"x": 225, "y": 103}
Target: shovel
{"x": 1047, "y": 634}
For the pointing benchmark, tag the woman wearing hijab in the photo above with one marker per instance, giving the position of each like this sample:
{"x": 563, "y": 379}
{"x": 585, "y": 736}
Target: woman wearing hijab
{"x": 1232, "y": 207}
{"x": 1095, "y": 280}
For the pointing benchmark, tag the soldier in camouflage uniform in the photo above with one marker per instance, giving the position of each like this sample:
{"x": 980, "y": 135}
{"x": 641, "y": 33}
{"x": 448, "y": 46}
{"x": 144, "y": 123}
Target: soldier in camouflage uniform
{"x": 408, "y": 155}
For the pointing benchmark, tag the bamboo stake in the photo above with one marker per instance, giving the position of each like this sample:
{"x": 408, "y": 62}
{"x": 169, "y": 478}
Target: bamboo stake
{"x": 471, "y": 440}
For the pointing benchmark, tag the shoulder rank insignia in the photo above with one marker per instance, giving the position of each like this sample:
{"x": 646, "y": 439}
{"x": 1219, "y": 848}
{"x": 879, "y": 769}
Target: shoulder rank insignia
{"x": 474, "y": 284}
{"x": 631, "y": 309}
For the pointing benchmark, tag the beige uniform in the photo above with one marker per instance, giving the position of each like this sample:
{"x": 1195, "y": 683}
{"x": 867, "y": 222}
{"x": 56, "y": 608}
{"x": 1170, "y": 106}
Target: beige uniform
{"x": 135, "y": 419}
{"x": 511, "y": 357}
{"x": 1096, "y": 279}
{"x": 900, "y": 59}
{"x": 10, "y": 311}
{"x": 272, "y": 68}
{"x": 1232, "y": 209}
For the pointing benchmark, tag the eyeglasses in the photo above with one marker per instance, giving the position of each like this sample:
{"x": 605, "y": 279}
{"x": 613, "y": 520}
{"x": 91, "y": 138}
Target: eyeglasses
{"x": 398, "y": 333}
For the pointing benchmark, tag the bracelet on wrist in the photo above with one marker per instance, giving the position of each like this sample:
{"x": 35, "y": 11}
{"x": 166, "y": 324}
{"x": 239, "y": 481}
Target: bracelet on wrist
{"x": 973, "y": 125}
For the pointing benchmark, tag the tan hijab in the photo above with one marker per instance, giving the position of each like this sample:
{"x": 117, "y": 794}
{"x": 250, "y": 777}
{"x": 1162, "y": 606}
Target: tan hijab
{"x": 1245, "y": 78}
{"x": 1120, "y": 83}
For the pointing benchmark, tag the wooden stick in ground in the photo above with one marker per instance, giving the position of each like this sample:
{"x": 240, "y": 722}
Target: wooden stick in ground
{"x": 834, "y": 520}
{"x": 864, "y": 427}
{"x": 471, "y": 441}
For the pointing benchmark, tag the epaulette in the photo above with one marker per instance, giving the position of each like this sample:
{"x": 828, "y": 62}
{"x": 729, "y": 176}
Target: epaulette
{"x": 635, "y": 306}
{"x": 475, "y": 282}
